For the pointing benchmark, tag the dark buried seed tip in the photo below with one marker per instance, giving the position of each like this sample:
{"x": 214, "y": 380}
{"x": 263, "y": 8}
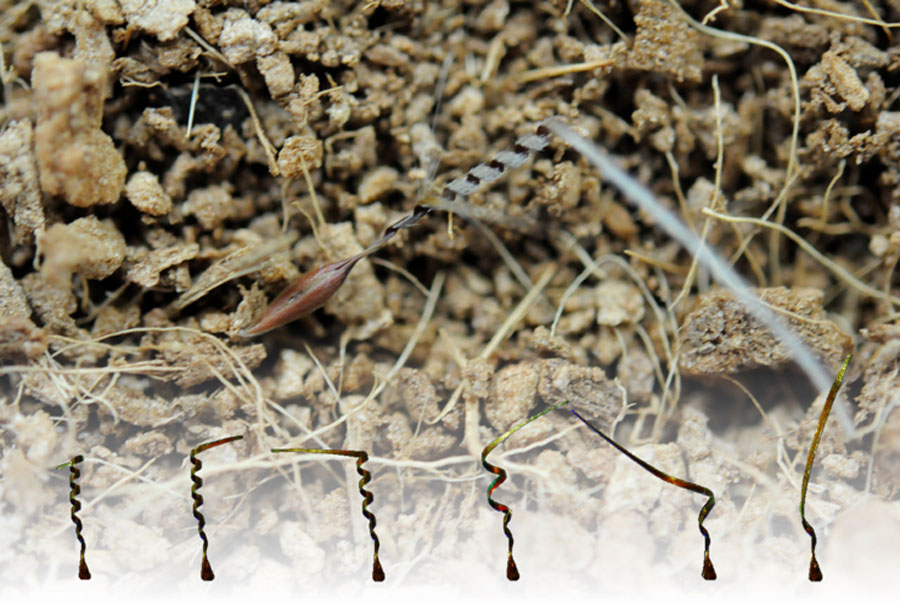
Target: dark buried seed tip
{"x": 815, "y": 573}
{"x": 206, "y": 571}
{"x": 83, "y": 573}
{"x": 512, "y": 571}
{"x": 377, "y": 571}
{"x": 709, "y": 573}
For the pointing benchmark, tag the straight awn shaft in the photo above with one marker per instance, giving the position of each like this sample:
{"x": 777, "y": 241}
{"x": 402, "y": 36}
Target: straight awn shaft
{"x": 815, "y": 573}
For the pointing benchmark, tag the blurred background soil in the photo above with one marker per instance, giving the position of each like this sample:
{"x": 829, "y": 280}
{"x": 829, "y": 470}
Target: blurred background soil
{"x": 167, "y": 168}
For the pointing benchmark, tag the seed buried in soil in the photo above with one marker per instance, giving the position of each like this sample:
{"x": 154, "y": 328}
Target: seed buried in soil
{"x": 366, "y": 476}
{"x": 815, "y": 572}
{"x": 206, "y": 572}
{"x": 512, "y": 571}
{"x": 74, "y": 473}
{"x": 708, "y": 572}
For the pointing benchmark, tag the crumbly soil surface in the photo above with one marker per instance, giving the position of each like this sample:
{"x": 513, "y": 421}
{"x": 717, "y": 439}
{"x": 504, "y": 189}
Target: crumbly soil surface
{"x": 167, "y": 168}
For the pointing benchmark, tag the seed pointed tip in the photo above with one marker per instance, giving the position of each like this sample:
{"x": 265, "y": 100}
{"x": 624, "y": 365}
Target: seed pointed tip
{"x": 206, "y": 571}
{"x": 250, "y": 331}
{"x": 377, "y": 571}
{"x": 83, "y": 573}
{"x": 815, "y": 573}
{"x": 512, "y": 571}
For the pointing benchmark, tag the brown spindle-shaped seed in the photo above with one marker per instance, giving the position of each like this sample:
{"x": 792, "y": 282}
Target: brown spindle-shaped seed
{"x": 315, "y": 288}
{"x": 309, "y": 292}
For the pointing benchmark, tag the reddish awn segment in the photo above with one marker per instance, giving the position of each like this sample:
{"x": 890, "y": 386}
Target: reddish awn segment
{"x": 512, "y": 571}
{"x": 709, "y": 573}
{"x": 206, "y": 572}
{"x": 815, "y": 573}
{"x": 74, "y": 473}
{"x": 361, "y": 458}
{"x": 315, "y": 288}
